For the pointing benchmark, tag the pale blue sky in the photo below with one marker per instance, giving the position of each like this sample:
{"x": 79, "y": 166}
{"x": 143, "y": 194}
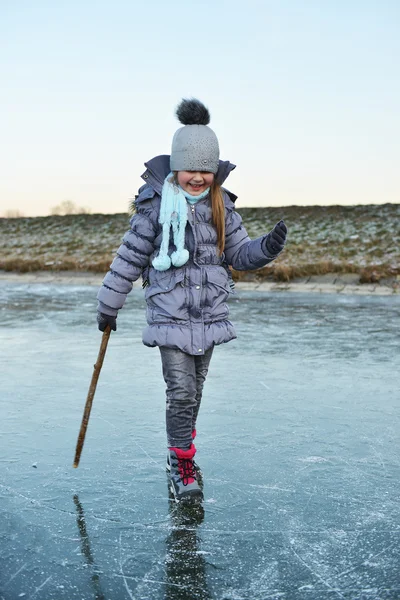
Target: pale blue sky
{"x": 304, "y": 96}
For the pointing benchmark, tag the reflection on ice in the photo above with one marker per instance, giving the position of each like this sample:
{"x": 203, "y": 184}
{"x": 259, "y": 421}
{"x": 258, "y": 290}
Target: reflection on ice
{"x": 86, "y": 550}
{"x": 185, "y": 565}
{"x": 297, "y": 439}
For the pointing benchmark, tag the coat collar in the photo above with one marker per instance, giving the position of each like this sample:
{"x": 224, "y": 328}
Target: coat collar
{"x": 158, "y": 168}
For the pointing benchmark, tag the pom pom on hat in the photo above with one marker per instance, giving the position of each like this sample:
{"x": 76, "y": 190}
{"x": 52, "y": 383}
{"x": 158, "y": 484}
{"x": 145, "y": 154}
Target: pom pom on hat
{"x": 192, "y": 112}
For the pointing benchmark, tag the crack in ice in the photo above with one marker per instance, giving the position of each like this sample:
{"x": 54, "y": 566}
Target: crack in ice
{"x": 122, "y": 570}
{"x": 40, "y": 587}
{"x": 317, "y": 575}
{"x": 15, "y": 574}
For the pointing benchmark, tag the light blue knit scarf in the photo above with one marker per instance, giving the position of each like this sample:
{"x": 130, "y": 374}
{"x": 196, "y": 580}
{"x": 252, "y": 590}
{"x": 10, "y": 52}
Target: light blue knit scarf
{"x": 173, "y": 213}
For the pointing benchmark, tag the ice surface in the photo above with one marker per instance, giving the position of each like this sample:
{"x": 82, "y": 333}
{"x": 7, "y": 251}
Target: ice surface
{"x": 298, "y": 440}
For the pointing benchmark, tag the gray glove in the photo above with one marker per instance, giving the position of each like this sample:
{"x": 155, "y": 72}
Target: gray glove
{"x": 104, "y": 320}
{"x": 275, "y": 240}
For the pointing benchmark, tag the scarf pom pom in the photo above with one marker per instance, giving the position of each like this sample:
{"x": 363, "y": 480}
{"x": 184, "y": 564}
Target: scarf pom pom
{"x": 162, "y": 263}
{"x": 179, "y": 257}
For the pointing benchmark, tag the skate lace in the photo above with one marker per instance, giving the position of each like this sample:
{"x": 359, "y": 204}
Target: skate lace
{"x": 186, "y": 470}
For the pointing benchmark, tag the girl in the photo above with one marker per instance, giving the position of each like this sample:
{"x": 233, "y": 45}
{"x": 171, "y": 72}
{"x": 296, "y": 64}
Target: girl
{"x": 184, "y": 234}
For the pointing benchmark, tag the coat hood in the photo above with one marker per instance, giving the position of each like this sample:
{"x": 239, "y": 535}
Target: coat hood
{"x": 158, "y": 168}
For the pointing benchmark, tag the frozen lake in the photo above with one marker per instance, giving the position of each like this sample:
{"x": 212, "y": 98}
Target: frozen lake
{"x": 298, "y": 440}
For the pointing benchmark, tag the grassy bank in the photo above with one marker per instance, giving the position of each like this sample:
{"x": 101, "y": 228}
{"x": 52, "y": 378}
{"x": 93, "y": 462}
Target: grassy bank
{"x": 322, "y": 239}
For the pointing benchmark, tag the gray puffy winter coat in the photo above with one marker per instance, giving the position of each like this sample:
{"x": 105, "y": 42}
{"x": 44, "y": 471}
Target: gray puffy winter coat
{"x": 186, "y": 306}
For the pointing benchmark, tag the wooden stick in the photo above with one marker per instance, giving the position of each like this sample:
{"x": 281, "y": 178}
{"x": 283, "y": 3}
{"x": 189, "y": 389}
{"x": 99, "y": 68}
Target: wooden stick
{"x": 90, "y": 396}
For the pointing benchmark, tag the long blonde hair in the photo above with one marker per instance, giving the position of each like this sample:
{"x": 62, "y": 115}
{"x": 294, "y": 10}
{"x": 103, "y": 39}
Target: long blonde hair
{"x": 218, "y": 211}
{"x": 218, "y": 214}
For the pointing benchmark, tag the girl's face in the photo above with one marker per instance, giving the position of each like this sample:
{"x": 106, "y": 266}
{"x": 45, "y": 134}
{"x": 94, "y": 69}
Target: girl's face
{"x": 195, "y": 182}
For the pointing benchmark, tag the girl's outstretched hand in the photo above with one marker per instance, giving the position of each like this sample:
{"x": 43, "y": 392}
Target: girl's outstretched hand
{"x": 104, "y": 320}
{"x": 275, "y": 240}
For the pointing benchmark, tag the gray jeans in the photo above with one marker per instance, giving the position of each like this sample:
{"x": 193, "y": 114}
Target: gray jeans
{"x": 184, "y": 375}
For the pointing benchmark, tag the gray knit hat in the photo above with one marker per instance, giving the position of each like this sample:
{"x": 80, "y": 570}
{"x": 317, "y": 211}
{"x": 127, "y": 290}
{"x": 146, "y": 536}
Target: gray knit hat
{"x": 194, "y": 146}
